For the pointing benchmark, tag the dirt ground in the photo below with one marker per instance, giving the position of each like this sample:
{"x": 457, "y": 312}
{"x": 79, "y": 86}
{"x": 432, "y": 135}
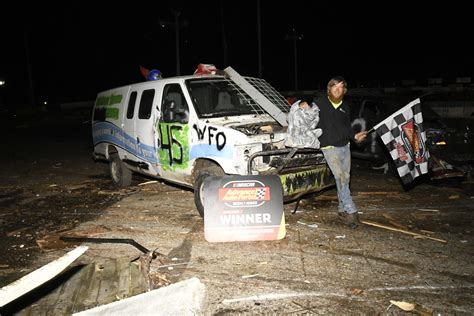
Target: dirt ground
{"x": 50, "y": 186}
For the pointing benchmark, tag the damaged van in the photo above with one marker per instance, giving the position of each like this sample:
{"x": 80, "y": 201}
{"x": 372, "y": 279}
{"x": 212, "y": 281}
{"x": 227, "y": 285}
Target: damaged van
{"x": 184, "y": 129}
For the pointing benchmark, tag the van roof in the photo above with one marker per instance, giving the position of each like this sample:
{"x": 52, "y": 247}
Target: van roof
{"x": 166, "y": 80}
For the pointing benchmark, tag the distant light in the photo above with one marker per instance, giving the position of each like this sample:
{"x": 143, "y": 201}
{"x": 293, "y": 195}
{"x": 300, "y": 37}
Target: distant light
{"x": 45, "y": 102}
{"x": 2, "y": 82}
{"x": 441, "y": 143}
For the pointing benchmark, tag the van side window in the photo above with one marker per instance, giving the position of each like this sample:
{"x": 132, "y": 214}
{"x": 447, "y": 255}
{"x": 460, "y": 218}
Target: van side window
{"x": 146, "y": 104}
{"x": 174, "y": 105}
{"x": 131, "y": 104}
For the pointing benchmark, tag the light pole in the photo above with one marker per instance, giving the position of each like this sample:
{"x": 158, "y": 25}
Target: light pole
{"x": 295, "y": 37}
{"x": 176, "y": 24}
{"x": 176, "y": 27}
{"x": 223, "y": 34}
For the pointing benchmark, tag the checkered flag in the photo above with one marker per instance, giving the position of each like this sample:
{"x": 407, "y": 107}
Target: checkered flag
{"x": 405, "y": 138}
{"x": 260, "y": 194}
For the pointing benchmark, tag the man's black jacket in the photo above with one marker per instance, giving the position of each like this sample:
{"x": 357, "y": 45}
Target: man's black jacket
{"x": 335, "y": 123}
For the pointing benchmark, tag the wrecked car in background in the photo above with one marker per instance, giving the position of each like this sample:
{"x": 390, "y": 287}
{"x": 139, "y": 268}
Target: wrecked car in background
{"x": 450, "y": 142}
{"x": 450, "y": 128}
{"x": 450, "y": 122}
{"x": 185, "y": 129}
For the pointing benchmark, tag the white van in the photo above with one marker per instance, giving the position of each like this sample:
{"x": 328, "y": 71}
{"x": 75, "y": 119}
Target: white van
{"x": 184, "y": 129}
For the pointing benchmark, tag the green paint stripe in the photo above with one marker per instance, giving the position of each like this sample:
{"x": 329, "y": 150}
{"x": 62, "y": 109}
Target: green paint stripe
{"x": 109, "y": 100}
{"x": 112, "y": 113}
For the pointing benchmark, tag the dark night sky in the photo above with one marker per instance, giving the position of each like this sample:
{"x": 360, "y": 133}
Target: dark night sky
{"x": 79, "y": 50}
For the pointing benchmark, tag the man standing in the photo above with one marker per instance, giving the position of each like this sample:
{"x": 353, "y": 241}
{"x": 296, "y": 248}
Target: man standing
{"x": 335, "y": 122}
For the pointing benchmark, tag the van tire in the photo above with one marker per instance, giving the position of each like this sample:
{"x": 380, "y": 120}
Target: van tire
{"x": 198, "y": 185}
{"x": 120, "y": 174}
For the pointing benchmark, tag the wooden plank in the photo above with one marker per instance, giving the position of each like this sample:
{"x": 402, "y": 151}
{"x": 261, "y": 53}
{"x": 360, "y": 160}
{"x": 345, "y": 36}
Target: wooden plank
{"x": 401, "y": 231}
{"x": 53, "y": 304}
{"x": 123, "y": 271}
{"x": 68, "y": 292}
{"x": 83, "y": 282}
{"x": 47, "y": 304}
{"x": 109, "y": 283}
{"x": 91, "y": 293}
{"x": 137, "y": 282}
{"x": 378, "y": 193}
{"x": 117, "y": 279}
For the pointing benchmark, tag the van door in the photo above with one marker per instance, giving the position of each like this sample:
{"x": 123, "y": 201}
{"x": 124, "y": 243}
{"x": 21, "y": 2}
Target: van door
{"x": 174, "y": 131}
{"x": 146, "y": 143}
{"x": 128, "y": 125}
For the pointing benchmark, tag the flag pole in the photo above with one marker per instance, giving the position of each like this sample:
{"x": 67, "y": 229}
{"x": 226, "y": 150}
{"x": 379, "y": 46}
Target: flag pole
{"x": 370, "y": 130}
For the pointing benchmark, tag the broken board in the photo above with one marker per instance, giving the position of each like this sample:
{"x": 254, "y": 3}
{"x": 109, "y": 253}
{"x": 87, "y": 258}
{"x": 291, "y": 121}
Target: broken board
{"x": 82, "y": 287}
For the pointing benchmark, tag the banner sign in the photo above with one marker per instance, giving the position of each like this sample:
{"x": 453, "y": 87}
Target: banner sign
{"x": 243, "y": 208}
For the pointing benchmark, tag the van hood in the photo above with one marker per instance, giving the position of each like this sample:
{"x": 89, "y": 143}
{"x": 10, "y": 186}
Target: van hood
{"x": 250, "y": 124}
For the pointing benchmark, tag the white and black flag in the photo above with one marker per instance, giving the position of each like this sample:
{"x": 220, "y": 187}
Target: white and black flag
{"x": 403, "y": 134}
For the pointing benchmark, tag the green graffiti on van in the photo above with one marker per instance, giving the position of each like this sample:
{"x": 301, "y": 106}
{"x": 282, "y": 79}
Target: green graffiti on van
{"x": 109, "y": 100}
{"x": 305, "y": 181}
{"x": 174, "y": 150}
{"x": 112, "y": 113}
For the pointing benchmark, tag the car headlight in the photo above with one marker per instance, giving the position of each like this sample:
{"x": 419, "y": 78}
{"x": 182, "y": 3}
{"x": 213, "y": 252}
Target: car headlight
{"x": 435, "y": 136}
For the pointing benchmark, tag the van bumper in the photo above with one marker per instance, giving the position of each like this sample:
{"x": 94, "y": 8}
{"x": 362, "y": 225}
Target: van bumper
{"x": 301, "y": 171}
{"x": 296, "y": 183}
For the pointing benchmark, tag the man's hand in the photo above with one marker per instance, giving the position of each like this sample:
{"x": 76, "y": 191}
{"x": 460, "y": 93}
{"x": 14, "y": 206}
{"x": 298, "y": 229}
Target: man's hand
{"x": 359, "y": 137}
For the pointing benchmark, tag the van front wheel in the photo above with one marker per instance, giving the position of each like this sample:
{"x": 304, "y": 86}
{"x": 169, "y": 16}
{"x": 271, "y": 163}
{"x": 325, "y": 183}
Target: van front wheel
{"x": 198, "y": 186}
{"x": 120, "y": 174}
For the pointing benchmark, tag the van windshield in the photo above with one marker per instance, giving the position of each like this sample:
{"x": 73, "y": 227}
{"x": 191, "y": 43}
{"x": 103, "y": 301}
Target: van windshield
{"x": 215, "y": 97}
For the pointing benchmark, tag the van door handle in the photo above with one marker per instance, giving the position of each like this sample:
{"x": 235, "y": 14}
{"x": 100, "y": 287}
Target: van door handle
{"x": 138, "y": 140}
